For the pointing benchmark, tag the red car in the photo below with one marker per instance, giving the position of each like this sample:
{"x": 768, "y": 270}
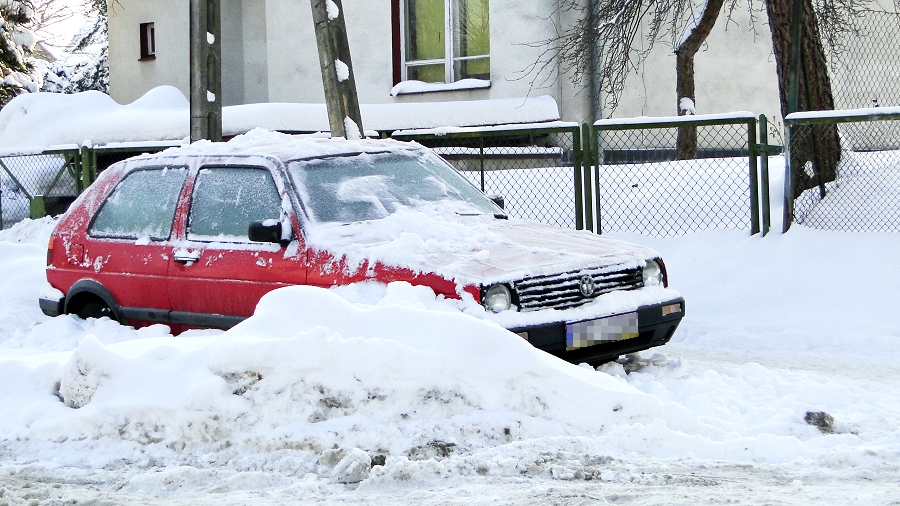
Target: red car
{"x": 195, "y": 236}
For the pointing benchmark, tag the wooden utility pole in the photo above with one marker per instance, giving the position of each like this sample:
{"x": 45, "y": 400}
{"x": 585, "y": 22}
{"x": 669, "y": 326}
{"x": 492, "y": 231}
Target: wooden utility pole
{"x": 206, "y": 70}
{"x": 341, "y": 100}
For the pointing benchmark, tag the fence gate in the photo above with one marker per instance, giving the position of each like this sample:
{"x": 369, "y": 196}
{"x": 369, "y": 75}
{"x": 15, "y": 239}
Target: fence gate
{"x": 642, "y": 186}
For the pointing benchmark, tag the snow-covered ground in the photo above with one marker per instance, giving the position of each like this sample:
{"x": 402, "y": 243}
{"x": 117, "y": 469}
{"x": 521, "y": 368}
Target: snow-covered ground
{"x": 863, "y": 198}
{"x": 319, "y": 385}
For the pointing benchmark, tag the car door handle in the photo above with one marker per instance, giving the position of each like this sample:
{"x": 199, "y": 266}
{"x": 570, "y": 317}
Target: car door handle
{"x": 186, "y": 257}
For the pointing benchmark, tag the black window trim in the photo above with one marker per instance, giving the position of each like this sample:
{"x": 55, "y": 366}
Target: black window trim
{"x": 148, "y": 41}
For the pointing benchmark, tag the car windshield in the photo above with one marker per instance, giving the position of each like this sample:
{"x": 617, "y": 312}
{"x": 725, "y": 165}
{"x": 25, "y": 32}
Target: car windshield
{"x": 367, "y": 186}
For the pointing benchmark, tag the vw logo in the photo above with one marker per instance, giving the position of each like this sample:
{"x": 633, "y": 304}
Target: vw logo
{"x": 586, "y": 286}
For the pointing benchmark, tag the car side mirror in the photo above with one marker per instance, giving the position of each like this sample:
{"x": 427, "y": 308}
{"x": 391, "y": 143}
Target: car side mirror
{"x": 265, "y": 231}
{"x": 499, "y": 200}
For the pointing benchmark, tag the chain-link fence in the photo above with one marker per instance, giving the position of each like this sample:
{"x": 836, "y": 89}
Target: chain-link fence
{"x": 861, "y": 192}
{"x": 39, "y": 184}
{"x": 651, "y": 182}
{"x": 865, "y": 62}
{"x": 51, "y": 176}
{"x": 532, "y": 169}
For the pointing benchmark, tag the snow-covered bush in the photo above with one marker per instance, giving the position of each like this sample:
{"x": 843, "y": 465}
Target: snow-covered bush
{"x": 77, "y": 72}
{"x": 85, "y": 66}
{"x": 17, "y": 74}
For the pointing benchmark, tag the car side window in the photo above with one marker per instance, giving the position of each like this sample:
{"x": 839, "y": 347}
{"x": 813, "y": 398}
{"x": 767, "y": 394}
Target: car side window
{"x": 227, "y": 199}
{"x": 142, "y": 205}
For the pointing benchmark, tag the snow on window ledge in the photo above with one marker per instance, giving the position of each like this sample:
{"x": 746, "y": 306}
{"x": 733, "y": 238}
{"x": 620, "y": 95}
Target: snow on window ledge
{"x": 410, "y": 87}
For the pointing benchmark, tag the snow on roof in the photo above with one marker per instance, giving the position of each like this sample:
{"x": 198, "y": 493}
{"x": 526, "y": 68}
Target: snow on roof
{"x": 37, "y": 121}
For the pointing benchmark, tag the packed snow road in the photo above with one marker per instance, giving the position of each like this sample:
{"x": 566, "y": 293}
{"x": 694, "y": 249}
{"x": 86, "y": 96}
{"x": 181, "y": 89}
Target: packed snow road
{"x": 370, "y": 394}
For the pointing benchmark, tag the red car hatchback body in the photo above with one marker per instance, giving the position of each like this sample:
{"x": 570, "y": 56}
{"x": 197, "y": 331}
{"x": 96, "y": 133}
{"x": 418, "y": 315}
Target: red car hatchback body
{"x": 195, "y": 236}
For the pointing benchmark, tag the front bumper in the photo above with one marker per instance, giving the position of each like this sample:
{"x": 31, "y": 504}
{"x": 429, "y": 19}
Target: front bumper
{"x": 654, "y": 329}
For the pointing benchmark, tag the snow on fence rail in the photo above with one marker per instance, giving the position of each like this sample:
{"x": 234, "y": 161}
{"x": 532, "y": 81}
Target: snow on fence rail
{"x": 853, "y": 186}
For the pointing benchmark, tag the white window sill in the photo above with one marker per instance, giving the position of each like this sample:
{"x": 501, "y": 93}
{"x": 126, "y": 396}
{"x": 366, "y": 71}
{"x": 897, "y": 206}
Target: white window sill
{"x": 412, "y": 87}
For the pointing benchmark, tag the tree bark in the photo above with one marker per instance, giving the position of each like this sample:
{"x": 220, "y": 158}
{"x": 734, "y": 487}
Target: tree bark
{"x": 817, "y": 148}
{"x": 686, "y": 144}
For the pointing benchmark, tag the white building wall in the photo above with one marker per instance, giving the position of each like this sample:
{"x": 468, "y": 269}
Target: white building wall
{"x": 255, "y": 52}
{"x": 232, "y": 52}
{"x": 129, "y": 78}
{"x": 269, "y": 54}
{"x": 734, "y": 71}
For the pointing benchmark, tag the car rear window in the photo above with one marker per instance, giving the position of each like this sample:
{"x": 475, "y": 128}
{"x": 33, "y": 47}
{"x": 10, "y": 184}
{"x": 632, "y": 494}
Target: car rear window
{"x": 142, "y": 205}
{"x": 372, "y": 186}
{"x": 227, "y": 199}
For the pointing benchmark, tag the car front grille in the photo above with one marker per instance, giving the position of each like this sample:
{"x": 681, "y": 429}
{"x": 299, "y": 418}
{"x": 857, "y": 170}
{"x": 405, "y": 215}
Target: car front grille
{"x": 562, "y": 291}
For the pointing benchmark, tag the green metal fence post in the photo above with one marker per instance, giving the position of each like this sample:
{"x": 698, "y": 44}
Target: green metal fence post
{"x": 586, "y": 132}
{"x": 579, "y": 185}
{"x": 595, "y": 163}
{"x": 754, "y": 178}
{"x": 788, "y": 212}
{"x": 92, "y": 173}
{"x": 84, "y": 174}
{"x": 38, "y": 207}
{"x": 764, "y": 172}
{"x": 481, "y": 160}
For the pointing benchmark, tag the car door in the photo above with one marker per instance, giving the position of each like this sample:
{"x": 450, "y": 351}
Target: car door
{"x": 216, "y": 274}
{"x": 128, "y": 248}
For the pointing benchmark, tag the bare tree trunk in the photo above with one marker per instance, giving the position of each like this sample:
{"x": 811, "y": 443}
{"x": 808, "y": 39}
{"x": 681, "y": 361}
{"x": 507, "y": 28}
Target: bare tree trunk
{"x": 686, "y": 144}
{"x": 819, "y": 147}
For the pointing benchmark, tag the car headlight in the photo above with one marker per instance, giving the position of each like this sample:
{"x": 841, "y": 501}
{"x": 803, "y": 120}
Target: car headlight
{"x": 497, "y": 298}
{"x": 652, "y": 273}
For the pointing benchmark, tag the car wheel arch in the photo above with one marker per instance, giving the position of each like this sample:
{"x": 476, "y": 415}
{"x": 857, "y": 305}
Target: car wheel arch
{"x": 86, "y": 291}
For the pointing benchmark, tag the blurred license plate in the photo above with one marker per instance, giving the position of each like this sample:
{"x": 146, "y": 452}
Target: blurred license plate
{"x": 604, "y": 330}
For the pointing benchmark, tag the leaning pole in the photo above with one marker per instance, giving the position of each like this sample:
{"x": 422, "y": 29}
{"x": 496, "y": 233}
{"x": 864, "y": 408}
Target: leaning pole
{"x": 341, "y": 100}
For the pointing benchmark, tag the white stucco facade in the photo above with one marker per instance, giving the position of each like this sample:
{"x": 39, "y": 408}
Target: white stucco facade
{"x": 269, "y": 55}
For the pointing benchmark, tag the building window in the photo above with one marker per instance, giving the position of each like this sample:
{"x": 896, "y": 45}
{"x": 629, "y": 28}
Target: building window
{"x": 148, "y": 41}
{"x": 446, "y": 40}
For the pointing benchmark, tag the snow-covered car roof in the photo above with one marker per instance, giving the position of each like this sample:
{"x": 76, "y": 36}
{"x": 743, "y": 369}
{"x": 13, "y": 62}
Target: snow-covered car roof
{"x": 285, "y": 147}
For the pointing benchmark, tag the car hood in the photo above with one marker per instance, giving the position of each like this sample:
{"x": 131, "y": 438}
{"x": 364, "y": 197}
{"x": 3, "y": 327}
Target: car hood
{"x": 471, "y": 249}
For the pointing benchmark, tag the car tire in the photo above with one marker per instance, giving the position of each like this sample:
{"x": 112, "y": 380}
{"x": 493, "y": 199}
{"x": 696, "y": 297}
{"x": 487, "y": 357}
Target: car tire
{"x": 96, "y": 310}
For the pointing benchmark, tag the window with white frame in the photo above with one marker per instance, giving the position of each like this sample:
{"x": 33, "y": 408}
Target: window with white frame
{"x": 446, "y": 40}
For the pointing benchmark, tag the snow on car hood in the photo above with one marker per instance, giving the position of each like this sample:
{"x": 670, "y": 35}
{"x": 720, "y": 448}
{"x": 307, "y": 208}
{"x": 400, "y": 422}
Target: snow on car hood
{"x": 471, "y": 249}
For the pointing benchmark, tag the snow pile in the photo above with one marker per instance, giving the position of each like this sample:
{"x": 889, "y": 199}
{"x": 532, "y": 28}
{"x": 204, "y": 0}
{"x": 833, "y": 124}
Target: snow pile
{"x": 42, "y": 120}
{"x": 310, "y": 371}
{"x": 390, "y": 389}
